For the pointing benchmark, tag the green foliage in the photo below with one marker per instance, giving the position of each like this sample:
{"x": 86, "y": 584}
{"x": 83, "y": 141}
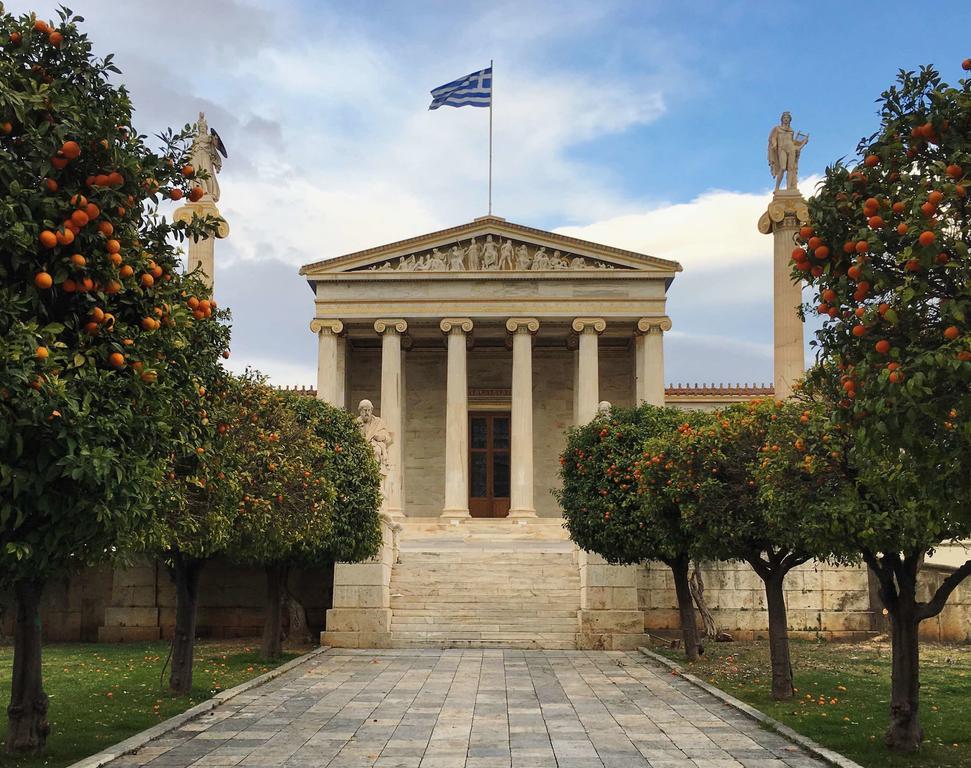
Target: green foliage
{"x": 601, "y": 498}
{"x": 355, "y": 525}
{"x": 285, "y": 513}
{"x": 90, "y": 313}
{"x": 714, "y": 475}
{"x": 895, "y": 286}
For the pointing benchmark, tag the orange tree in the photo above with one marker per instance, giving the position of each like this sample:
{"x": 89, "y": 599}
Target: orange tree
{"x": 195, "y": 498}
{"x": 285, "y": 512}
{"x": 616, "y": 505}
{"x": 89, "y": 320}
{"x": 860, "y": 516}
{"x": 887, "y": 253}
{"x": 712, "y": 475}
{"x": 355, "y": 525}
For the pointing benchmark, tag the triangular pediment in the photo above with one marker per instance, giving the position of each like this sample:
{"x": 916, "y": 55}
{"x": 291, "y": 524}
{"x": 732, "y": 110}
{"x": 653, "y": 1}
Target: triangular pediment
{"x": 490, "y": 246}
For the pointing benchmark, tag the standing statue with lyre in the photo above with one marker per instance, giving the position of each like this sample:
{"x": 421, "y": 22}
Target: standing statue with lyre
{"x": 784, "y": 149}
{"x": 205, "y": 156}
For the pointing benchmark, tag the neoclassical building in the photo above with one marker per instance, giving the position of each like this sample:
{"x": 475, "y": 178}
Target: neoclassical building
{"x": 478, "y": 346}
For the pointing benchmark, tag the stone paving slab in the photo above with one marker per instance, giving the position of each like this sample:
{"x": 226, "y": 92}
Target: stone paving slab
{"x": 473, "y": 708}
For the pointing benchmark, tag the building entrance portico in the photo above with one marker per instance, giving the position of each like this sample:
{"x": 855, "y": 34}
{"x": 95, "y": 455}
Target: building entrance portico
{"x": 479, "y": 346}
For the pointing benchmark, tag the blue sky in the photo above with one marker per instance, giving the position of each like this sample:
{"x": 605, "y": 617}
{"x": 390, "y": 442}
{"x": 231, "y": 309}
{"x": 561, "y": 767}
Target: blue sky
{"x": 638, "y": 124}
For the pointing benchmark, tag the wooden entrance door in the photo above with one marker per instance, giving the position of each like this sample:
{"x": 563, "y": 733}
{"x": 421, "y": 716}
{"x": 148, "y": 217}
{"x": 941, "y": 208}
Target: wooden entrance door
{"x": 489, "y": 464}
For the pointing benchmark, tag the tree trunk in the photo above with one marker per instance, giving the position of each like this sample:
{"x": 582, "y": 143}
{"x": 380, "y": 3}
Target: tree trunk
{"x": 904, "y": 733}
{"x": 697, "y": 584}
{"x": 689, "y": 625}
{"x": 276, "y": 580}
{"x": 778, "y": 636}
{"x": 185, "y": 572}
{"x": 295, "y": 620}
{"x": 27, "y": 726}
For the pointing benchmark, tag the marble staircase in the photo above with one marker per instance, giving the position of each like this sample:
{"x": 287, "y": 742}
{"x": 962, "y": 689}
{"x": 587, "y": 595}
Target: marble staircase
{"x": 484, "y": 583}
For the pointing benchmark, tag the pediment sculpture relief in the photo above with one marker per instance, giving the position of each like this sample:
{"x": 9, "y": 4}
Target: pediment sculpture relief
{"x": 489, "y": 255}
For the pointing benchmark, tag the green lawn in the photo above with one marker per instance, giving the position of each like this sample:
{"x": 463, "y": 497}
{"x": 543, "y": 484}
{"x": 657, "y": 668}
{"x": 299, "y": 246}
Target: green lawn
{"x": 102, "y": 694}
{"x": 844, "y": 694}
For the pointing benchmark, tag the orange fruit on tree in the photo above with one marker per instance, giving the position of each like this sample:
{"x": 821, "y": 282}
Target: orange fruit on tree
{"x": 42, "y": 353}
{"x": 92, "y": 210}
{"x": 926, "y": 238}
{"x": 78, "y": 260}
{"x": 105, "y": 228}
{"x": 805, "y": 232}
{"x": 902, "y": 228}
{"x": 71, "y": 150}
{"x": 822, "y": 252}
{"x": 954, "y": 171}
{"x": 935, "y": 197}
{"x": 896, "y": 377}
{"x": 147, "y": 280}
{"x": 871, "y": 161}
{"x": 69, "y": 286}
{"x": 113, "y": 246}
{"x": 60, "y": 163}
{"x": 126, "y": 271}
{"x": 175, "y": 193}
{"x": 928, "y": 209}
{"x": 113, "y": 287}
{"x": 875, "y": 222}
{"x": 882, "y": 346}
{"x": 858, "y": 330}
{"x": 195, "y": 194}
{"x": 115, "y": 258}
{"x": 951, "y": 332}
{"x": 87, "y": 284}
{"x": 898, "y": 207}
{"x": 41, "y": 26}
{"x": 55, "y": 39}
{"x": 116, "y": 359}
{"x": 965, "y": 65}
{"x": 188, "y": 170}
{"x": 64, "y": 238}
{"x": 51, "y": 185}
{"x": 862, "y": 246}
{"x": 80, "y": 218}
{"x": 48, "y": 239}
{"x": 43, "y": 280}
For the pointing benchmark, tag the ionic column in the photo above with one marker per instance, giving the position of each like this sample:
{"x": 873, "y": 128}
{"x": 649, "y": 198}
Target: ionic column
{"x": 521, "y": 428}
{"x": 782, "y": 219}
{"x": 391, "y": 396}
{"x": 329, "y": 369}
{"x": 456, "y": 419}
{"x": 650, "y": 359}
{"x": 588, "y": 372}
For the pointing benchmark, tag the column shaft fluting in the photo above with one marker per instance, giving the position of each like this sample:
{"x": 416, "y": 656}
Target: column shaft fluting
{"x": 328, "y": 365}
{"x": 650, "y": 359}
{"x": 391, "y": 396}
{"x": 456, "y": 420}
{"x": 521, "y": 428}
{"x": 588, "y": 368}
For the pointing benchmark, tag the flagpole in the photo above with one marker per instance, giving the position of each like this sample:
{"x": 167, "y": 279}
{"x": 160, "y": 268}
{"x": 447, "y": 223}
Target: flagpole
{"x": 491, "y": 93}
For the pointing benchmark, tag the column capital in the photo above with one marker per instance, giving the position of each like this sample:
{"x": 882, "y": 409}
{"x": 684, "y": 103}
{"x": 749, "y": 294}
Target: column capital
{"x": 326, "y": 325}
{"x": 522, "y": 325}
{"x": 457, "y": 324}
{"x": 653, "y": 325}
{"x": 387, "y": 325}
{"x": 594, "y": 324}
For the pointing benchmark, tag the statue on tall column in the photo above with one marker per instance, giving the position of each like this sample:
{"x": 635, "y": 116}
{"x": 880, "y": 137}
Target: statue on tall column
{"x": 379, "y": 437}
{"x": 784, "y": 149}
{"x": 205, "y": 156}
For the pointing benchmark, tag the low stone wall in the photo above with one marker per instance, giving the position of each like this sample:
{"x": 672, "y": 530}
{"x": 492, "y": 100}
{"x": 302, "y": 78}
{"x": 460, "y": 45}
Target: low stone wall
{"x": 953, "y": 624}
{"x": 822, "y": 600}
{"x": 138, "y": 603}
{"x": 835, "y": 603}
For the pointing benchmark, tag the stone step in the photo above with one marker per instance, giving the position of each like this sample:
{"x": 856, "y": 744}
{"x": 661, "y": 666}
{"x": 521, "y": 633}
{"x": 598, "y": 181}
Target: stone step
{"x": 501, "y": 598}
{"x": 477, "y": 628}
{"x": 453, "y": 611}
{"x": 546, "y": 641}
{"x": 428, "y": 586}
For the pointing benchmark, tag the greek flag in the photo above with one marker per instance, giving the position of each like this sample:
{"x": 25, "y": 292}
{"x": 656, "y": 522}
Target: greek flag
{"x": 473, "y": 90}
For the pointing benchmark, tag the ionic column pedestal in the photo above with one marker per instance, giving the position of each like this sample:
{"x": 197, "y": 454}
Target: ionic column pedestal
{"x": 456, "y": 420}
{"x": 391, "y": 396}
{"x": 521, "y": 427}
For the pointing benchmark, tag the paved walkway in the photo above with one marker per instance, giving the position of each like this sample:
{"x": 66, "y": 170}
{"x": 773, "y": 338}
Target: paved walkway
{"x": 479, "y": 709}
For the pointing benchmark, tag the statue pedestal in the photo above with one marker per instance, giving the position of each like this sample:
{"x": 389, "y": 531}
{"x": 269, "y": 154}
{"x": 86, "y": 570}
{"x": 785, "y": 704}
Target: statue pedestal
{"x": 785, "y": 214}
{"x": 201, "y": 250}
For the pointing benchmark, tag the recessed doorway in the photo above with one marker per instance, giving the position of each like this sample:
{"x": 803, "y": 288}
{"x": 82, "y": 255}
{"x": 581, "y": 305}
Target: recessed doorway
{"x": 489, "y": 464}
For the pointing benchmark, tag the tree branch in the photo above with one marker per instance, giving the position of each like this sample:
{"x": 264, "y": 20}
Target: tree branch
{"x": 936, "y": 604}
